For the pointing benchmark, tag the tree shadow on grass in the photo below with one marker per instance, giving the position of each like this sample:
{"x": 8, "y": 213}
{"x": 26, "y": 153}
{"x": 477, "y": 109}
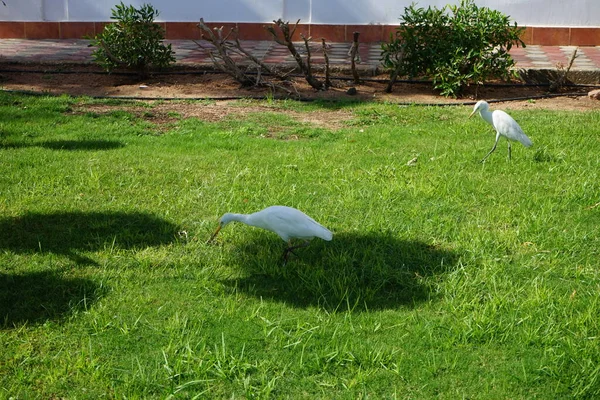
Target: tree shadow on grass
{"x": 68, "y": 145}
{"x": 74, "y": 145}
{"x": 41, "y": 296}
{"x": 353, "y": 272}
{"x": 70, "y": 233}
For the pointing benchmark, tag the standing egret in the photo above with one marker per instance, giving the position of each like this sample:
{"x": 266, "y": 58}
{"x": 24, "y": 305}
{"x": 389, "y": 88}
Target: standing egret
{"x": 289, "y": 223}
{"x": 504, "y": 125}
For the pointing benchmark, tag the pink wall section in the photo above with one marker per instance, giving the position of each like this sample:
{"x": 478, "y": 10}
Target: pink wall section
{"x": 547, "y": 36}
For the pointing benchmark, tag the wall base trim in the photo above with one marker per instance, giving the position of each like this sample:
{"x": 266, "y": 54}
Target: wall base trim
{"x": 544, "y": 36}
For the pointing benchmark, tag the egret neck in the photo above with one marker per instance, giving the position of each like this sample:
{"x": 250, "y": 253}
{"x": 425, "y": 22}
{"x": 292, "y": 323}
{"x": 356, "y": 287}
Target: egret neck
{"x": 227, "y": 218}
{"x": 487, "y": 116}
{"x": 243, "y": 218}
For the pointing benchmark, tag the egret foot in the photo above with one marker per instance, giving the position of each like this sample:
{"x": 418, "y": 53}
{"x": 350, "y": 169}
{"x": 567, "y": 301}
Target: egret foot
{"x": 290, "y": 249}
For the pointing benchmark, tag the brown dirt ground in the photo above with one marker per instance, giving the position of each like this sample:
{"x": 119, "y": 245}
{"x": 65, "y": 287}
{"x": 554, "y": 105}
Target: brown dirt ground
{"x": 161, "y": 113}
{"x": 195, "y": 83}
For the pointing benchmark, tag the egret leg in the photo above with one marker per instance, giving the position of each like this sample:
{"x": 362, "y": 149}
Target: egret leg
{"x": 290, "y": 249}
{"x": 509, "y": 150}
{"x": 493, "y": 148}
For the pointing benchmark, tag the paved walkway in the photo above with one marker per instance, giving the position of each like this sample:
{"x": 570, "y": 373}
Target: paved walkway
{"x": 187, "y": 52}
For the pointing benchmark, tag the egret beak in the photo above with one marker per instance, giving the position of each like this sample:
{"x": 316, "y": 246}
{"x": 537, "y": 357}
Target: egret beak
{"x": 214, "y": 234}
{"x": 473, "y": 113}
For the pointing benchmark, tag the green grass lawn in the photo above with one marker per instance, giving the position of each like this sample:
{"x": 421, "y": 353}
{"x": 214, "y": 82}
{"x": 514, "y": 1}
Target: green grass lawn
{"x": 446, "y": 279}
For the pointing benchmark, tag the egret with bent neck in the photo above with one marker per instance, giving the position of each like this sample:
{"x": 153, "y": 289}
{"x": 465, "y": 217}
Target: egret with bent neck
{"x": 287, "y": 222}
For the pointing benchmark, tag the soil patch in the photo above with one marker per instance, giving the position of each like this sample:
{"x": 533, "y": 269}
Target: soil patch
{"x": 88, "y": 80}
{"x": 165, "y": 113}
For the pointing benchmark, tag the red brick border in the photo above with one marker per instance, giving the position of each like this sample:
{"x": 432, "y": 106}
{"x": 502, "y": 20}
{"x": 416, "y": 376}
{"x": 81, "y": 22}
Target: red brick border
{"x": 549, "y": 36}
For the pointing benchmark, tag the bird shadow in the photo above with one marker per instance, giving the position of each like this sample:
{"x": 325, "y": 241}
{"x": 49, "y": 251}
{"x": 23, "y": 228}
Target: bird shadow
{"x": 71, "y": 233}
{"x": 67, "y": 145}
{"x": 355, "y": 272}
{"x": 41, "y": 296}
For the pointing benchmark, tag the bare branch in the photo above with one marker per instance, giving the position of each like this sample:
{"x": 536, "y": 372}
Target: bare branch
{"x": 353, "y": 57}
{"x": 395, "y": 72}
{"x": 258, "y": 62}
{"x": 286, "y": 40}
{"x": 206, "y": 29}
{"x": 226, "y": 38}
{"x": 559, "y": 82}
{"x": 294, "y": 30}
{"x": 221, "y": 55}
{"x": 326, "y": 57}
{"x": 226, "y": 63}
{"x": 276, "y": 38}
{"x": 308, "y": 55}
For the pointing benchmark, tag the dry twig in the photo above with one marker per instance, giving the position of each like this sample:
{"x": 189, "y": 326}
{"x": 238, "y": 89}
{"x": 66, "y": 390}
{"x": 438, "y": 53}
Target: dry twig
{"x": 395, "y": 73}
{"x": 354, "y": 57}
{"x": 221, "y": 57}
{"x": 286, "y": 40}
{"x": 326, "y": 58}
{"x": 559, "y": 82}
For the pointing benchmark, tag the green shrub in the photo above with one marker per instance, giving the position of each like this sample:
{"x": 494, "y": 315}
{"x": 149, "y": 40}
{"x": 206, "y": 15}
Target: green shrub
{"x": 454, "y": 46}
{"x": 134, "y": 41}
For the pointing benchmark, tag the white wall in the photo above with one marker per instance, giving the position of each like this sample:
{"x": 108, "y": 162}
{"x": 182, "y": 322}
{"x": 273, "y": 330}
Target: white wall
{"x": 182, "y": 10}
{"x": 524, "y": 12}
{"x": 21, "y": 10}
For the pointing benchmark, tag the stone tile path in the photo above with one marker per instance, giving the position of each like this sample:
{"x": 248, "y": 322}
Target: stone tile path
{"x": 188, "y": 52}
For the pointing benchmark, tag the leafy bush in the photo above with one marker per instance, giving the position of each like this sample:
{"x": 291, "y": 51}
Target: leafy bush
{"x": 454, "y": 46}
{"x": 133, "y": 42}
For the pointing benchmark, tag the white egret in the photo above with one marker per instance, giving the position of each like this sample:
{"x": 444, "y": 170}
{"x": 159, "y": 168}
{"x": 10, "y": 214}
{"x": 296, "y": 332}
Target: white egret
{"x": 504, "y": 125}
{"x": 289, "y": 223}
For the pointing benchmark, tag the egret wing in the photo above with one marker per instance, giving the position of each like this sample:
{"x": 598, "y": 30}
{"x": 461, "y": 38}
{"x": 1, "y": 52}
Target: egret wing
{"x": 291, "y": 223}
{"x": 509, "y": 128}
